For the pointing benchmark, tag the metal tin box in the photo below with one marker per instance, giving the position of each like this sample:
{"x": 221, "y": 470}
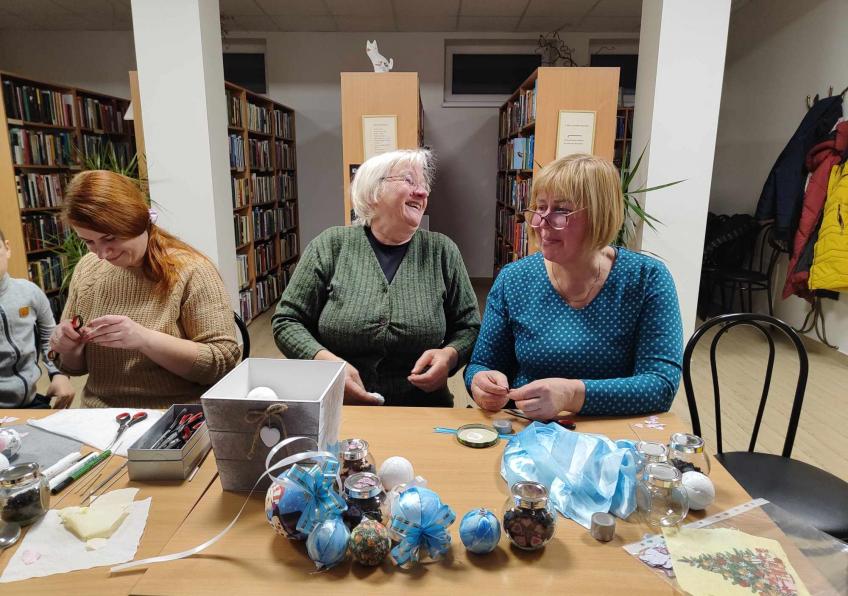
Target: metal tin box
{"x": 144, "y": 463}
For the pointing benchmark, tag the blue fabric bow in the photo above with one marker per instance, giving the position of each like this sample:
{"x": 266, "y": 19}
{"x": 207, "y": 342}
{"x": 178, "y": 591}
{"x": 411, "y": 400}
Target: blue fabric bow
{"x": 584, "y": 473}
{"x": 420, "y": 519}
{"x": 323, "y": 502}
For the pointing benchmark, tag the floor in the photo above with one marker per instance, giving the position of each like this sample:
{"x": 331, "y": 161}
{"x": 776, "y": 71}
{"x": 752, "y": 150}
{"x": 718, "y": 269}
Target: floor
{"x": 821, "y": 439}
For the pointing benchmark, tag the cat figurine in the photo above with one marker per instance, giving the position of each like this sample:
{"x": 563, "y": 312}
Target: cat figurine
{"x": 380, "y": 63}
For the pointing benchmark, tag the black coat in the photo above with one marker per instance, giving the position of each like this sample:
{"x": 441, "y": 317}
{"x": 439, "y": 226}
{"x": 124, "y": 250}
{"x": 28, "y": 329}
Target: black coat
{"x": 783, "y": 192}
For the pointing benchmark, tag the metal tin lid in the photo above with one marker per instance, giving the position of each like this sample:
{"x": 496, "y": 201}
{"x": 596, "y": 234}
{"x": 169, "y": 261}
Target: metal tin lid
{"x": 530, "y": 495}
{"x": 662, "y": 475}
{"x": 363, "y": 485}
{"x": 477, "y": 435}
{"x": 354, "y": 449}
{"x": 20, "y": 474}
{"x": 652, "y": 451}
{"x": 686, "y": 443}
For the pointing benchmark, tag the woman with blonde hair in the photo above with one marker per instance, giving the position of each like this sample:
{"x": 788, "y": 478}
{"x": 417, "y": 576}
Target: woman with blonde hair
{"x": 580, "y": 326}
{"x": 157, "y": 324}
{"x": 392, "y": 300}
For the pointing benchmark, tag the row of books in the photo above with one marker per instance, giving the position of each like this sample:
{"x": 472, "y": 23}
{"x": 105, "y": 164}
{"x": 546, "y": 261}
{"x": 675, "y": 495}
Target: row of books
{"x": 40, "y": 148}
{"x": 57, "y": 304}
{"x": 100, "y": 115}
{"x": 260, "y": 154}
{"x": 288, "y": 246}
{"x": 289, "y": 212}
{"x": 622, "y": 126}
{"x": 513, "y": 242}
{"x": 261, "y": 188}
{"x": 242, "y": 270}
{"x": 514, "y": 192}
{"x": 37, "y": 191}
{"x": 283, "y": 124}
{"x": 517, "y": 154}
{"x": 264, "y": 258}
{"x": 270, "y": 287}
{"x": 34, "y": 104}
{"x": 285, "y": 185}
{"x": 266, "y": 223}
{"x": 518, "y": 113}
{"x": 283, "y": 156}
{"x": 241, "y": 224}
{"x": 47, "y": 273}
{"x": 236, "y": 152}
{"x": 43, "y": 231}
{"x": 233, "y": 108}
{"x": 241, "y": 192}
{"x": 258, "y": 118}
{"x": 246, "y": 304}
{"x": 97, "y": 146}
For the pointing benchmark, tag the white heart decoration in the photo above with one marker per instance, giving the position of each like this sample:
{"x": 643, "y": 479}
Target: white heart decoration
{"x": 270, "y": 436}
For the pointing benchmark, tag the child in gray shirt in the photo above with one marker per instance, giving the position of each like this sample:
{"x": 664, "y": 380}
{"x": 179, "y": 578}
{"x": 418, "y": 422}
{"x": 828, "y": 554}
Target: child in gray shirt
{"x": 26, "y": 323}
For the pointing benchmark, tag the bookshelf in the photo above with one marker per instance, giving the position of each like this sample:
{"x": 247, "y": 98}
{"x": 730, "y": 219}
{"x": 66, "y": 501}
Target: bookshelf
{"x": 47, "y": 130}
{"x": 263, "y": 174}
{"x": 377, "y": 94}
{"x": 527, "y": 137}
{"x": 623, "y": 137}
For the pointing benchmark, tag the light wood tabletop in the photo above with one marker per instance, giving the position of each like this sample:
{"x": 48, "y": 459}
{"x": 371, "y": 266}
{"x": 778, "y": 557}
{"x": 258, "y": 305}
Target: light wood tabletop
{"x": 252, "y": 559}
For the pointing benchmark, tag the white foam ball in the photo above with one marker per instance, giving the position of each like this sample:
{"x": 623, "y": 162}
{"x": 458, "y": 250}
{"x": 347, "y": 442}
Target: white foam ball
{"x": 262, "y": 393}
{"x": 700, "y": 490}
{"x": 4, "y": 463}
{"x": 396, "y": 470}
{"x": 10, "y": 442}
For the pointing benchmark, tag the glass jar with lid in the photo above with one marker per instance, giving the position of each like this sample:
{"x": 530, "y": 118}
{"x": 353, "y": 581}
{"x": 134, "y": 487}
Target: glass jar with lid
{"x": 529, "y": 518}
{"x": 649, "y": 452}
{"x": 24, "y": 494}
{"x": 661, "y": 499}
{"x": 365, "y": 498}
{"x": 686, "y": 453}
{"x": 355, "y": 458}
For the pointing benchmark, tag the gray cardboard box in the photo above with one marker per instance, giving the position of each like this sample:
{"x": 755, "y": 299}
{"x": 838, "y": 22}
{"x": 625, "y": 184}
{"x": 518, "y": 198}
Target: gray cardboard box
{"x": 310, "y": 392}
{"x": 144, "y": 463}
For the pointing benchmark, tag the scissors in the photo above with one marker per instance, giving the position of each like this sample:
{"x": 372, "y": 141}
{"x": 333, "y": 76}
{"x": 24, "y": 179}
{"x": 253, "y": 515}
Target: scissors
{"x": 124, "y": 421}
{"x": 76, "y": 324}
{"x": 563, "y": 422}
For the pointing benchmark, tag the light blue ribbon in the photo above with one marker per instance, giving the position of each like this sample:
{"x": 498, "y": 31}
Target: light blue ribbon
{"x": 323, "y": 502}
{"x": 421, "y": 520}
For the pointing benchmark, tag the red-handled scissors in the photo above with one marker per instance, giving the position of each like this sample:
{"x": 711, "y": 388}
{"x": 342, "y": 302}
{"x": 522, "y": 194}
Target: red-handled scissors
{"x": 125, "y": 421}
{"x": 76, "y": 324}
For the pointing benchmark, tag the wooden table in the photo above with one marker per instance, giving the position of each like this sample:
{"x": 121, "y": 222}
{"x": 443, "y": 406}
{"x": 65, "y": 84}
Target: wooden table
{"x": 252, "y": 559}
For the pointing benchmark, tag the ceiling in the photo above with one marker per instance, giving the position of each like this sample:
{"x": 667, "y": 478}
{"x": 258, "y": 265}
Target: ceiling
{"x": 347, "y": 15}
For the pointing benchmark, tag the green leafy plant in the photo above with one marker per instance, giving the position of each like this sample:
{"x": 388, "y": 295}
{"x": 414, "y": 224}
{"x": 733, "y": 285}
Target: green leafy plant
{"x": 72, "y": 248}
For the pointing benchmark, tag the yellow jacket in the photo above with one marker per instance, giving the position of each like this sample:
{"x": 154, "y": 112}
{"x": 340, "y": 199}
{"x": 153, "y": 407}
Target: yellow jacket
{"x": 830, "y": 257}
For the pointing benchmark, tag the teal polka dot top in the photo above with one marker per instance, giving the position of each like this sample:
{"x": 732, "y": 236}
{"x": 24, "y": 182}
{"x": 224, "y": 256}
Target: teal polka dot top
{"x": 626, "y": 345}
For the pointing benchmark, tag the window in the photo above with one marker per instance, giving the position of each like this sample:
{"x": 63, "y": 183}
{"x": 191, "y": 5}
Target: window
{"x": 482, "y": 73}
{"x": 244, "y": 64}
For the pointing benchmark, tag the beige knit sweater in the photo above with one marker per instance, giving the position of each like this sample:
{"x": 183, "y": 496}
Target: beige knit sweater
{"x": 197, "y": 309}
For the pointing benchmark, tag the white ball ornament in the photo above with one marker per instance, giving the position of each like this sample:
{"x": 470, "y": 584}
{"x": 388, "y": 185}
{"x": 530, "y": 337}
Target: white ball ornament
{"x": 4, "y": 463}
{"x": 700, "y": 490}
{"x": 262, "y": 393}
{"x": 396, "y": 470}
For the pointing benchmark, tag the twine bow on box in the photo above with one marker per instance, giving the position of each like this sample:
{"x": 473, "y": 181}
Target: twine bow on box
{"x": 430, "y": 534}
{"x": 264, "y": 419}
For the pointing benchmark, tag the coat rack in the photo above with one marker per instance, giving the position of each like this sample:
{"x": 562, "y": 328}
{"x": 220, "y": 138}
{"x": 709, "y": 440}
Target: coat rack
{"x": 812, "y": 100}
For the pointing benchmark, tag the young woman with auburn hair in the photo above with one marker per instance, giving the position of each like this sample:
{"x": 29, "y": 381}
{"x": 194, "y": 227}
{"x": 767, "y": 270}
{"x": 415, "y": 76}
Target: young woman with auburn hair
{"x": 158, "y": 328}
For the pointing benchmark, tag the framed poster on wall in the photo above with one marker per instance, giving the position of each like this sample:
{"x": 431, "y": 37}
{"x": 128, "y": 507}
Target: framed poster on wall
{"x": 575, "y": 132}
{"x": 379, "y": 135}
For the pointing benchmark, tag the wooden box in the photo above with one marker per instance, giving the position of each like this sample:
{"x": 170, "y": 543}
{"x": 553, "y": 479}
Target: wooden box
{"x": 310, "y": 396}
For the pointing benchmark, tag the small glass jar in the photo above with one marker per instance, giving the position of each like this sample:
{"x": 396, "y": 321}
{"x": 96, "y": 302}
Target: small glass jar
{"x": 355, "y": 458}
{"x": 686, "y": 453}
{"x": 529, "y": 518}
{"x": 24, "y": 494}
{"x": 660, "y": 497}
{"x": 365, "y": 498}
{"x": 649, "y": 452}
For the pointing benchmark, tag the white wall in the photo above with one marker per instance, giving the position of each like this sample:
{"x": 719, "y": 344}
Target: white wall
{"x": 303, "y": 73}
{"x": 778, "y": 53}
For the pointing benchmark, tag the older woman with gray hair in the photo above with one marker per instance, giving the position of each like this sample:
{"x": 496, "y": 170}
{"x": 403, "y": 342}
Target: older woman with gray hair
{"x": 392, "y": 301}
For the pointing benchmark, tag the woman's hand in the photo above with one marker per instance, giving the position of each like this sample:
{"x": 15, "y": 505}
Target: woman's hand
{"x": 61, "y": 391}
{"x": 490, "y": 389}
{"x": 544, "y": 399}
{"x": 116, "y": 331}
{"x": 355, "y": 393}
{"x": 440, "y": 363}
{"x": 66, "y": 340}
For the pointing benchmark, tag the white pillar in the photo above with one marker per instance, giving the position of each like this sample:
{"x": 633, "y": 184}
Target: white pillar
{"x": 678, "y": 92}
{"x": 181, "y": 80}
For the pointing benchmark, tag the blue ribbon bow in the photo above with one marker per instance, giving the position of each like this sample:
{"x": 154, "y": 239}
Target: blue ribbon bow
{"x": 323, "y": 502}
{"x": 421, "y": 521}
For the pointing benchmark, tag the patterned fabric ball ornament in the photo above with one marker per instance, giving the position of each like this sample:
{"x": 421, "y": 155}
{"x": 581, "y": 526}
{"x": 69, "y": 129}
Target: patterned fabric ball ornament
{"x": 419, "y": 523}
{"x": 10, "y": 442}
{"x": 284, "y": 504}
{"x": 369, "y": 543}
{"x": 480, "y": 531}
{"x": 327, "y": 543}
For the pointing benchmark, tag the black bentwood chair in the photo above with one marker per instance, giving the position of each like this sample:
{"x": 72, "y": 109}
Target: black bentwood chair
{"x": 811, "y": 495}
{"x": 245, "y": 336}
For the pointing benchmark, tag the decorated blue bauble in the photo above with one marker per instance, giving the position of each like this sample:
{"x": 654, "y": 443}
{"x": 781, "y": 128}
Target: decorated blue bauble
{"x": 480, "y": 531}
{"x": 419, "y": 523}
{"x": 284, "y": 504}
{"x": 327, "y": 543}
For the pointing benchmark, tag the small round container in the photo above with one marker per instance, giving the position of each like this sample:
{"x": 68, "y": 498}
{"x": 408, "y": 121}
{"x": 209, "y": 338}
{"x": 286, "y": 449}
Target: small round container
{"x": 529, "y": 519}
{"x": 365, "y": 498}
{"x": 686, "y": 453}
{"x": 355, "y": 458}
{"x": 503, "y": 425}
{"x": 649, "y": 452}
{"x": 661, "y": 499}
{"x": 24, "y": 494}
{"x": 477, "y": 436}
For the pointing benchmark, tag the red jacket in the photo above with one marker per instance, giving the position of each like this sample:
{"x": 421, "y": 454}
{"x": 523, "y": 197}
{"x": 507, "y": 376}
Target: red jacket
{"x": 820, "y": 160}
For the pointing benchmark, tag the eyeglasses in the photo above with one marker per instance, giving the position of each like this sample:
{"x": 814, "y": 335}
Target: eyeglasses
{"x": 409, "y": 181}
{"x": 558, "y": 220}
